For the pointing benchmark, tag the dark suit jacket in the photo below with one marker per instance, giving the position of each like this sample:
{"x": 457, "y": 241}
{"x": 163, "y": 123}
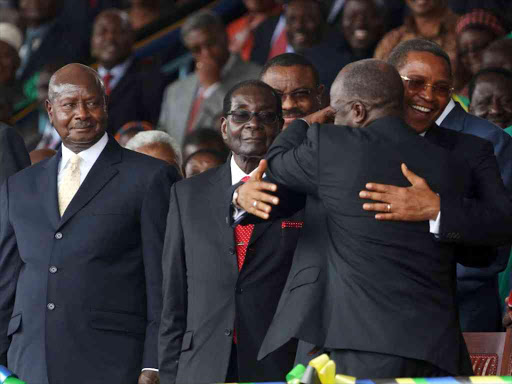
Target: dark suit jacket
{"x": 100, "y": 265}
{"x": 376, "y": 285}
{"x": 206, "y": 297}
{"x": 487, "y": 219}
{"x": 137, "y": 96}
{"x": 13, "y": 154}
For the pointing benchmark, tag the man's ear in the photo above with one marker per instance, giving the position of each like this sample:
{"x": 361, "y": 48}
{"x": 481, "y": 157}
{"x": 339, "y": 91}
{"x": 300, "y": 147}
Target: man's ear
{"x": 49, "y": 109}
{"x": 224, "y": 128}
{"x": 360, "y": 112}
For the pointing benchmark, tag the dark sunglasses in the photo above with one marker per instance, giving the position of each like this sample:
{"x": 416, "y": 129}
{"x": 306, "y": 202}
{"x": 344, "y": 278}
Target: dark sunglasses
{"x": 241, "y": 116}
{"x": 417, "y": 85}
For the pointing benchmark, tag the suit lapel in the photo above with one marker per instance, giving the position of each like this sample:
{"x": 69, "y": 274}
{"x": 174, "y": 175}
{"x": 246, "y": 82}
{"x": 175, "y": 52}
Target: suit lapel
{"x": 259, "y": 229}
{"x": 455, "y": 119}
{"x": 47, "y": 185}
{"x": 100, "y": 174}
{"x": 219, "y": 205}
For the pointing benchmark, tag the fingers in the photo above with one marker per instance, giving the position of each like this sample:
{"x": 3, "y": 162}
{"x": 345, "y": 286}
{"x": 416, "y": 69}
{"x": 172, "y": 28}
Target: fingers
{"x": 413, "y": 178}
{"x": 379, "y": 187}
{"x": 389, "y": 217}
{"x": 260, "y": 210}
{"x": 261, "y": 186}
{"x": 377, "y": 207}
{"x": 258, "y": 173}
{"x": 376, "y": 196}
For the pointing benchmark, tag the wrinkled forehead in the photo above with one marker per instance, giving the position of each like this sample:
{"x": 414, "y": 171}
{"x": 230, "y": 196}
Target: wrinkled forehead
{"x": 253, "y": 99}
{"x": 493, "y": 84}
{"x": 290, "y": 78}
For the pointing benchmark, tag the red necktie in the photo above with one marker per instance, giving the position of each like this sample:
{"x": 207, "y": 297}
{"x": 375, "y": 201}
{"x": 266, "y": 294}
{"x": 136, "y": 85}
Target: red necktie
{"x": 242, "y": 236}
{"x": 279, "y": 46}
{"x": 106, "y": 82}
{"x": 194, "y": 111}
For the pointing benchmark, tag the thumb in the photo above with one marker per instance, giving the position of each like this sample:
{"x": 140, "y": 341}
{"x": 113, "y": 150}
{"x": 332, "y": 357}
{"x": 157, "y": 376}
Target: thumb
{"x": 262, "y": 167}
{"x": 410, "y": 175}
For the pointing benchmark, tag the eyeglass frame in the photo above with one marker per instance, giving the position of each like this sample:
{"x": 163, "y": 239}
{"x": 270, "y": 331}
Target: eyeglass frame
{"x": 252, "y": 114}
{"x": 433, "y": 86}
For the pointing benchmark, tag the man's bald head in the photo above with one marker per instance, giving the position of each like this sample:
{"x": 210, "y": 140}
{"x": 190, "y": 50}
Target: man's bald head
{"x": 77, "y": 107}
{"x": 370, "y": 83}
{"x": 65, "y": 79}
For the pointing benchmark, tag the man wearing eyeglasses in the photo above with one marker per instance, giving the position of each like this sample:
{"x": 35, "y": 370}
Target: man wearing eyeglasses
{"x": 222, "y": 285}
{"x": 484, "y": 217}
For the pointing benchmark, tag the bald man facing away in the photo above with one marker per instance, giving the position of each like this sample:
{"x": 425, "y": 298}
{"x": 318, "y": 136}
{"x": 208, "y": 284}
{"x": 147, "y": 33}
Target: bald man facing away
{"x": 380, "y": 297}
{"x": 80, "y": 250}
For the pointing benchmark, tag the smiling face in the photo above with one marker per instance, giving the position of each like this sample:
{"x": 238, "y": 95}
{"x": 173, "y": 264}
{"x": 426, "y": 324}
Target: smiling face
{"x": 77, "y": 107}
{"x": 304, "y": 24}
{"x": 300, "y": 93}
{"x": 112, "y": 39}
{"x": 423, "y": 107}
{"x": 471, "y": 43}
{"x": 492, "y": 99}
{"x": 361, "y": 24}
{"x": 253, "y": 138}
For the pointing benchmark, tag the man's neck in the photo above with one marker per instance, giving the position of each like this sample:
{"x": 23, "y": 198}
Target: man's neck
{"x": 246, "y": 164}
{"x": 425, "y": 24}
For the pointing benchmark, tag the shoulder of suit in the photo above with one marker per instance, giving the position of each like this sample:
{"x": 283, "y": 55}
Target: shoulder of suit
{"x": 198, "y": 183}
{"x": 465, "y": 138}
{"x": 180, "y": 85}
{"x": 244, "y": 70}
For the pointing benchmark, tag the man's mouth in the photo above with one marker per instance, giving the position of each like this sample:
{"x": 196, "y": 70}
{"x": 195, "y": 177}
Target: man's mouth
{"x": 421, "y": 108}
{"x": 361, "y": 34}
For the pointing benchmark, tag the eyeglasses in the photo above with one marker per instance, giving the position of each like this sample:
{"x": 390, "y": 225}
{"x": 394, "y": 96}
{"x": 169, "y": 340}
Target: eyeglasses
{"x": 417, "y": 85}
{"x": 242, "y": 116}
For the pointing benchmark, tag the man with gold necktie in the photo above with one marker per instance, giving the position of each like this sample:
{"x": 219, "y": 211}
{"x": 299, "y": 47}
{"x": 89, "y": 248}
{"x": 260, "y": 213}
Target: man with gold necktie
{"x": 81, "y": 237}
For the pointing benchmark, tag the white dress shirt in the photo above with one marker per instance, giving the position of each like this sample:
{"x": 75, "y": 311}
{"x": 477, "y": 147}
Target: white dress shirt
{"x": 117, "y": 72}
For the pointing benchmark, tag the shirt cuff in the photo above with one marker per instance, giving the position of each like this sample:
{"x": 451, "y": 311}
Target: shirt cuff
{"x": 435, "y": 225}
{"x": 212, "y": 88}
{"x": 237, "y": 213}
{"x": 149, "y": 369}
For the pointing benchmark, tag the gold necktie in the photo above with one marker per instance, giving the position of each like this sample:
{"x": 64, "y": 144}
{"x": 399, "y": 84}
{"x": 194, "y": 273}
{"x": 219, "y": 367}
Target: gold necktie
{"x": 70, "y": 182}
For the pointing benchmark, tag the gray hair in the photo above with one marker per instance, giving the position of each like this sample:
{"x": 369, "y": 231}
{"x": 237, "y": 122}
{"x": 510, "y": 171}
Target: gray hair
{"x": 201, "y": 20}
{"x": 145, "y": 138}
{"x": 56, "y": 87}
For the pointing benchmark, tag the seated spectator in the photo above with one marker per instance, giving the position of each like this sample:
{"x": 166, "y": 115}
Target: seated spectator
{"x": 5, "y": 106}
{"x": 130, "y": 129}
{"x": 498, "y": 55}
{"x": 303, "y": 30}
{"x": 143, "y": 12}
{"x": 201, "y": 161}
{"x": 196, "y": 100}
{"x": 134, "y": 89}
{"x": 158, "y": 145}
{"x": 240, "y": 31}
{"x": 490, "y": 92}
{"x": 362, "y": 23}
{"x": 204, "y": 138}
{"x": 38, "y": 155}
{"x": 428, "y": 19}
{"x": 48, "y": 37}
{"x": 475, "y": 31}
{"x": 11, "y": 39}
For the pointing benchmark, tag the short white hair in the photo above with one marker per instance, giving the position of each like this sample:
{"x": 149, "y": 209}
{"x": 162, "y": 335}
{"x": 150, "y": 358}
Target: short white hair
{"x": 144, "y": 138}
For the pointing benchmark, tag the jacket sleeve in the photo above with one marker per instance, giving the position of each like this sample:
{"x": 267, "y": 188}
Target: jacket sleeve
{"x": 484, "y": 217}
{"x": 153, "y": 222}
{"x": 174, "y": 313}
{"x": 10, "y": 265}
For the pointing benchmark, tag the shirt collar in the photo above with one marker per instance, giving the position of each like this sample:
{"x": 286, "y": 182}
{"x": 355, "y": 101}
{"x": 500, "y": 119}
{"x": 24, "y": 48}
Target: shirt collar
{"x": 89, "y": 156}
{"x": 118, "y": 71}
{"x": 445, "y": 113}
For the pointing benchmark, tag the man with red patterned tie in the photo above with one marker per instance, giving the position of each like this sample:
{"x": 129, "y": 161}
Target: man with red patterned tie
{"x": 134, "y": 88}
{"x": 222, "y": 285}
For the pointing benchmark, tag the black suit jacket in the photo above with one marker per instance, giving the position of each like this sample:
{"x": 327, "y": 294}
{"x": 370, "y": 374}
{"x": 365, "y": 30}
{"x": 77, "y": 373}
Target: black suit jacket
{"x": 484, "y": 216}
{"x": 376, "y": 285}
{"x": 206, "y": 297}
{"x": 100, "y": 265}
{"x": 13, "y": 154}
{"x": 137, "y": 96}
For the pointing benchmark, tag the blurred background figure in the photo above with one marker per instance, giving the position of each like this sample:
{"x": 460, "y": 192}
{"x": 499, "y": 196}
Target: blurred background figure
{"x": 201, "y": 161}
{"x": 11, "y": 39}
{"x": 428, "y": 19}
{"x": 143, "y": 12}
{"x": 498, "y": 54}
{"x": 5, "y": 106}
{"x": 196, "y": 100}
{"x": 134, "y": 89}
{"x": 475, "y": 31}
{"x": 490, "y": 93}
{"x": 38, "y": 155}
{"x": 241, "y": 31}
{"x": 204, "y": 138}
{"x": 158, "y": 145}
{"x": 130, "y": 129}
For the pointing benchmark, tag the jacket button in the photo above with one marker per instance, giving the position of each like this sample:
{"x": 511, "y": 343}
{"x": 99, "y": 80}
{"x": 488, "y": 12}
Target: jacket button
{"x": 50, "y": 306}
{"x": 53, "y": 269}
{"x": 58, "y": 235}
{"x": 227, "y": 332}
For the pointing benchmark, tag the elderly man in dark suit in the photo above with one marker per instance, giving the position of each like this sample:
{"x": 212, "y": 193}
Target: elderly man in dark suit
{"x": 81, "y": 241}
{"x": 394, "y": 270}
{"x": 221, "y": 287}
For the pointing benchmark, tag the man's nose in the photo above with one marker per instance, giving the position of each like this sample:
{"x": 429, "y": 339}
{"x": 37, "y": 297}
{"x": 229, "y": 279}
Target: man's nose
{"x": 427, "y": 93}
{"x": 82, "y": 112}
{"x": 288, "y": 102}
{"x": 495, "y": 106}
